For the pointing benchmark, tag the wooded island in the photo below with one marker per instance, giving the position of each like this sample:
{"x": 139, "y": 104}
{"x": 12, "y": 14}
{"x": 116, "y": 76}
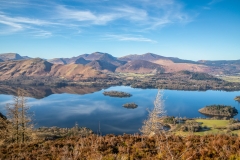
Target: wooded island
{"x": 130, "y": 105}
{"x": 219, "y": 110}
{"x": 116, "y": 94}
{"x": 237, "y": 98}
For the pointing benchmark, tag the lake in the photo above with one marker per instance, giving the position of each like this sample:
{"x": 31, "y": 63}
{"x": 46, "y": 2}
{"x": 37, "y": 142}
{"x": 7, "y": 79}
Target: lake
{"x": 94, "y": 110}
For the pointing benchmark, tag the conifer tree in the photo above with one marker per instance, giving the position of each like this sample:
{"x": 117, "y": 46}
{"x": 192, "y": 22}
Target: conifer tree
{"x": 19, "y": 118}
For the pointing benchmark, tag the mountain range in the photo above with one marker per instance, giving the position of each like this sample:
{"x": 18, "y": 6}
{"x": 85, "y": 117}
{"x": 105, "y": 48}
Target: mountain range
{"x": 98, "y": 64}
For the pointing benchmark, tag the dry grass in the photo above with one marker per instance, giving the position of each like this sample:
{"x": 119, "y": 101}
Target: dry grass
{"x": 127, "y": 147}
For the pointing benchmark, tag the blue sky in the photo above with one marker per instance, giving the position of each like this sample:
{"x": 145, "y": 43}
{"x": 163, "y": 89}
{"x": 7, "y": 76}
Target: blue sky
{"x": 188, "y": 29}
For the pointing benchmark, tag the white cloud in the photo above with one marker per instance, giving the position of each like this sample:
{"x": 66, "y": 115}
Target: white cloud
{"x": 214, "y": 1}
{"x": 131, "y": 13}
{"x": 54, "y": 16}
{"x": 42, "y": 33}
{"x": 22, "y": 20}
{"x": 129, "y": 38}
{"x": 81, "y": 16}
{"x": 16, "y": 24}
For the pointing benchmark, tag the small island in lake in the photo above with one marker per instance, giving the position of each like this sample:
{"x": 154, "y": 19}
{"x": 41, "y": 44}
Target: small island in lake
{"x": 219, "y": 110}
{"x": 237, "y": 98}
{"x": 130, "y": 105}
{"x": 116, "y": 94}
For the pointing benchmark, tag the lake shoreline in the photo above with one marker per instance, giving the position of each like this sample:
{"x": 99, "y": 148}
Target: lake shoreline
{"x": 89, "y": 107}
{"x": 189, "y": 81}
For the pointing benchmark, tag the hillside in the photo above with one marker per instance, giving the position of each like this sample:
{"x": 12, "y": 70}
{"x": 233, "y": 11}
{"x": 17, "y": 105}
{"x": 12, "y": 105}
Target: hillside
{"x": 10, "y": 56}
{"x": 102, "y": 65}
{"x": 223, "y": 66}
{"x": 140, "y": 66}
{"x": 146, "y": 57}
{"x": 58, "y": 61}
{"x": 66, "y": 60}
{"x": 74, "y": 72}
{"x": 154, "y": 57}
{"x": 89, "y": 57}
{"x": 170, "y": 66}
{"x": 147, "y": 63}
{"x": 81, "y": 60}
{"x": 1, "y": 60}
{"x": 38, "y": 67}
{"x": 32, "y": 67}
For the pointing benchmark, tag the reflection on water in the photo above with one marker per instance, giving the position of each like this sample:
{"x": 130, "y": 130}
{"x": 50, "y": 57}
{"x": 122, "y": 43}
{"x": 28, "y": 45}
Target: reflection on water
{"x": 40, "y": 92}
{"x": 90, "y": 110}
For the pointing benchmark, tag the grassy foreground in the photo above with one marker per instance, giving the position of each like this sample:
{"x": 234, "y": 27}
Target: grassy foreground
{"x": 128, "y": 147}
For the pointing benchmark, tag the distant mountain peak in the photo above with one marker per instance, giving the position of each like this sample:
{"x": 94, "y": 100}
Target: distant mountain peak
{"x": 98, "y": 53}
{"x": 81, "y": 60}
{"x": 57, "y": 61}
{"x": 10, "y": 56}
{"x": 140, "y": 66}
{"x": 146, "y": 56}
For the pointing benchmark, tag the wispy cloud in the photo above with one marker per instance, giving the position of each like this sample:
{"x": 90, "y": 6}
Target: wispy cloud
{"x": 134, "y": 16}
{"x": 131, "y": 13}
{"x": 16, "y": 24}
{"x": 84, "y": 15}
{"x": 214, "y": 1}
{"x": 137, "y": 38}
{"x": 42, "y": 33}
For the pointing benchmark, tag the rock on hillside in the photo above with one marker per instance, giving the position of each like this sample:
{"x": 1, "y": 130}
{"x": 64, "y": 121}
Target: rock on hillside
{"x": 1, "y": 60}
{"x": 140, "y": 66}
{"x": 10, "y": 56}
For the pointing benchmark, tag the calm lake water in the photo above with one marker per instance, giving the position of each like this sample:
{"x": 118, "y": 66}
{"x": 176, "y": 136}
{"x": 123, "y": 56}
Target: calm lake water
{"x": 90, "y": 110}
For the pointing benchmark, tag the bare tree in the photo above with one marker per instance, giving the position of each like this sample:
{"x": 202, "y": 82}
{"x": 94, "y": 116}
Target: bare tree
{"x": 20, "y": 119}
{"x": 153, "y": 125}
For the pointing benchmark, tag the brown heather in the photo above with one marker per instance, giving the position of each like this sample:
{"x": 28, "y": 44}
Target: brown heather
{"x": 127, "y": 147}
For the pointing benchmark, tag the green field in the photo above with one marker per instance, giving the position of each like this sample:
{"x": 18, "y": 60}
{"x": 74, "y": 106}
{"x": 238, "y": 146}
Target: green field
{"x": 214, "y": 126}
{"x": 231, "y": 78}
{"x": 134, "y": 75}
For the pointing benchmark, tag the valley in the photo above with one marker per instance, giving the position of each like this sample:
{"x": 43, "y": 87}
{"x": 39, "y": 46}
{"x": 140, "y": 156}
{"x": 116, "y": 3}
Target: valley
{"x": 102, "y": 69}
